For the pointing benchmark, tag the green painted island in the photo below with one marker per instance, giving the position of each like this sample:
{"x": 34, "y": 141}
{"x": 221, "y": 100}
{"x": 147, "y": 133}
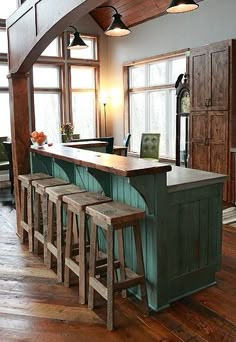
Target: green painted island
{"x": 181, "y": 234}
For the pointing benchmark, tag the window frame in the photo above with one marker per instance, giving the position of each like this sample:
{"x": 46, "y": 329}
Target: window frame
{"x": 128, "y": 91}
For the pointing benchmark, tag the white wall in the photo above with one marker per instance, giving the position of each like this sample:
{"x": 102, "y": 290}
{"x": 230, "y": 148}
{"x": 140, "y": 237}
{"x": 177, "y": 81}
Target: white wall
{"x": 212, "y": 22}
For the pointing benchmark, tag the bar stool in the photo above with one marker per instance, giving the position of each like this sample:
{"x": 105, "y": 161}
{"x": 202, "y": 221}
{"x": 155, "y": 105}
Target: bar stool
{"x": 111, "y": 217}
{"x": 55, "y": 195}
{"x": 40, "y": 211}
{"x": 76, "y": 205}
{"x": 26, "y": 207}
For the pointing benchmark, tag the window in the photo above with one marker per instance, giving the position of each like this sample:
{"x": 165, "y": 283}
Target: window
{"x": 83, "y": 100}
{"x": 7, "y": 8}
{"x": 65, "y": 91}
{"x": 5, "y": 129}
{"x": 47, "y": 100}
{"x": 152, "y": 106}
{"x": 53, "y": 49}
{"x": 89, "y": 53}
{"x": 3, "y": 40}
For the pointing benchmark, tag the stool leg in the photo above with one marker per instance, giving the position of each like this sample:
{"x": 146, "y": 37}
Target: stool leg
{"x": 121, "y": 259}
{"x": 92, "y": 262}
{"x": 50, "y": 233}
{"x": 59, "y": 241}
{"x": 29, "y": 218}
{"x": 70, "y": 220}
{"x": 23, "y": 213}
{"x": 110, "y": 278}
{"x": 36, "y": 221}
{"x": 140, "y": 265}
{"x": 82, "y": 259}
{"x": 44, "y": 208}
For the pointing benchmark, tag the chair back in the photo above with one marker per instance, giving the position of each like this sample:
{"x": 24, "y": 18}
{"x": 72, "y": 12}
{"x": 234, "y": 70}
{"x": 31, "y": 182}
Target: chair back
{"x": 150, "y": 143}
{"x": 3, "y": 156}
{"x": 8, "y": 149}
{"x": 126, "y": 140}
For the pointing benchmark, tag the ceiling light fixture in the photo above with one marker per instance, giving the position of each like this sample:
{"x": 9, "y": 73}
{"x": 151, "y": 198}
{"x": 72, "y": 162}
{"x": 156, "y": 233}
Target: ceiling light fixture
{"x": 117, "y": 28}
{"x": 181, "y": 6}
{"x": 77, "y": 42}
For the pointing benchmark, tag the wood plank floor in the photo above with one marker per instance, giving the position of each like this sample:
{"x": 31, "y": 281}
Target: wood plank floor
{"x": 33, "y": 307}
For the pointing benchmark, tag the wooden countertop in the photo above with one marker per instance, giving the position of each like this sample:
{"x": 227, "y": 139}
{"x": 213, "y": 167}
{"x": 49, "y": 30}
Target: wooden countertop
{"x": 122, "y": 166}
{"x": 181, "y": 178}
{"x": 78, "y": 144}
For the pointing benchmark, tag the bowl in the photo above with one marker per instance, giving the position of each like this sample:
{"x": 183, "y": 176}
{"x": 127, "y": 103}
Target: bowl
{"x": 39, "y": 142}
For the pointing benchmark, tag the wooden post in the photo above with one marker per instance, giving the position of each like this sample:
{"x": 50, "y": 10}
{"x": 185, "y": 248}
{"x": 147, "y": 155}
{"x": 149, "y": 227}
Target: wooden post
{"x": 20, "y": 131}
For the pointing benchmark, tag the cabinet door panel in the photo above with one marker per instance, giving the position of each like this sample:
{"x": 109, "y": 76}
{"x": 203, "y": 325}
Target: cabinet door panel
{"x": 199, "y": 148}
{"x": 218, "y": 141}
{"x": 219, "y": 78}
{"x": 198, "y": 79}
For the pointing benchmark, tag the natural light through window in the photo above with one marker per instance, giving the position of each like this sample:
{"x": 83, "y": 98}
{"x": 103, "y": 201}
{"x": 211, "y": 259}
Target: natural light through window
{"x": 152, "y": 102}
{"x": 7, "y": 8}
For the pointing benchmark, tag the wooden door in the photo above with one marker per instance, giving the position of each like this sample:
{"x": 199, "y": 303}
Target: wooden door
{"x": 199, "y": 142}
{"x": 218, "y": 77}
{"x": 199, "y": 81}
{"x": 218, "y": 144}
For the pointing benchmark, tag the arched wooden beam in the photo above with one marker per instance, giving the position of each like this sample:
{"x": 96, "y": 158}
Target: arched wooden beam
{"x": 30, "y": 30}
{"x": 36, "y": 23}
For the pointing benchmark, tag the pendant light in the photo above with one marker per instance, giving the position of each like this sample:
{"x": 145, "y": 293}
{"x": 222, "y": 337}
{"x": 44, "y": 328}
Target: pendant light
{"x": 117, "y": 28}
{"x": 77, "y": 42}
{"x": 182, "y": 6}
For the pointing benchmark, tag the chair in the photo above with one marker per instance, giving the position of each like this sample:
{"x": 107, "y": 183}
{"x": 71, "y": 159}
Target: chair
{"x": 122, "y": 150}
{"x": 150, "y": 143}
{"x": 126, "y": 140}
{"x": 8, "y": 149}
{"x": 4, "y": 163}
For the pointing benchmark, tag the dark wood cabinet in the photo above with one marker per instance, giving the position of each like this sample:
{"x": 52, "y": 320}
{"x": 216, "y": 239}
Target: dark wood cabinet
{"x": 213, "y": 110}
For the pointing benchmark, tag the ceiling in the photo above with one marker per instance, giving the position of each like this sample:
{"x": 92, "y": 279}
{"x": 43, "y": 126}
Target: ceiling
{"x": 133, "y": 12}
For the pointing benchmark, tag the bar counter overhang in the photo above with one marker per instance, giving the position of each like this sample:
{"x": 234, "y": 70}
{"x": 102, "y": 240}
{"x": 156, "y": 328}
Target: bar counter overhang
{"x": 181, "y": 234}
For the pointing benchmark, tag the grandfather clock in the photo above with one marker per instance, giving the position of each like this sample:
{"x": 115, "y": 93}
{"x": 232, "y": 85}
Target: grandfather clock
{"x": 182, "y": 120}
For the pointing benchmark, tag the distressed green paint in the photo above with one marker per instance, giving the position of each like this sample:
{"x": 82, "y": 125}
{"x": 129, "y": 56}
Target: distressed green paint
{"x": 41, "y": 163}
{"x": 181, "y": 234}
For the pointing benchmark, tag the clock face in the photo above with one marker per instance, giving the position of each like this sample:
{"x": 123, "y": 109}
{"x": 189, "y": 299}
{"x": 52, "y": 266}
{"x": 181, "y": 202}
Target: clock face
{"x": 185, "y": 103}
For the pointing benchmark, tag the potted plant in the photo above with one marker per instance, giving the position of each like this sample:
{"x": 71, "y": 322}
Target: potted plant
{"x": 67, "y": 130}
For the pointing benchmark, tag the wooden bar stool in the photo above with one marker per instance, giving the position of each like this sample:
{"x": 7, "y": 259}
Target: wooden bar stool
{"x": 76, "y": 205}
{"x": 115, "y": 216}
{"x": 55, "y": 195}
{"x": 26, "y": 206}
{"x": 40, "y": 211}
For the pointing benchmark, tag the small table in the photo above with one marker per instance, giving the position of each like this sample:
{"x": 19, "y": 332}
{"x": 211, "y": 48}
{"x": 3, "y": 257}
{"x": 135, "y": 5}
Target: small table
{"x": 120, "y": 150}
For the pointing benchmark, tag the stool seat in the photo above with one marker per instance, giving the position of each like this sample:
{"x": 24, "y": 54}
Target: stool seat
{"x": 115, "y": 216}
{"x": 57, "y": 192}
{"x": 113, "y": 213}
{"x": 76, "y": 205}
{"x": 55, "y": 195}
{"x": 26, "y": 205}
{"x": 41, "y": 184}
{"x": 80, "y": 201}
{"x": 40, "y": 205}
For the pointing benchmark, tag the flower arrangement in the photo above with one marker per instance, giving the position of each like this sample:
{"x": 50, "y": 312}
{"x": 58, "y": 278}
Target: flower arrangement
{"x": 67, "y": 129}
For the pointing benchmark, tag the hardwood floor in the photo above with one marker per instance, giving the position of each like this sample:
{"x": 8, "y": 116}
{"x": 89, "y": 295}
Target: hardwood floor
{"x": 33, "y": 307}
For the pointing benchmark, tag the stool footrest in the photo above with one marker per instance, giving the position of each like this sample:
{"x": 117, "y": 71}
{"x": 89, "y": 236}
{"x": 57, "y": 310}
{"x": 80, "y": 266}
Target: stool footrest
{"x": 52, "y": 248}
{"x": 98, "y": 286}
{"x": 73, "y": 266}
{"x": 129, "y": 283}
{"x": 39, "y": 236}
{"x": 24, "y": 225}
{"x": 103, "y": 268}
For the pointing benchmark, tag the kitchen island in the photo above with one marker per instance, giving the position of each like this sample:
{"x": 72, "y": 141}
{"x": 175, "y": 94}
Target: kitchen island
{"x": 181, "y": 234}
